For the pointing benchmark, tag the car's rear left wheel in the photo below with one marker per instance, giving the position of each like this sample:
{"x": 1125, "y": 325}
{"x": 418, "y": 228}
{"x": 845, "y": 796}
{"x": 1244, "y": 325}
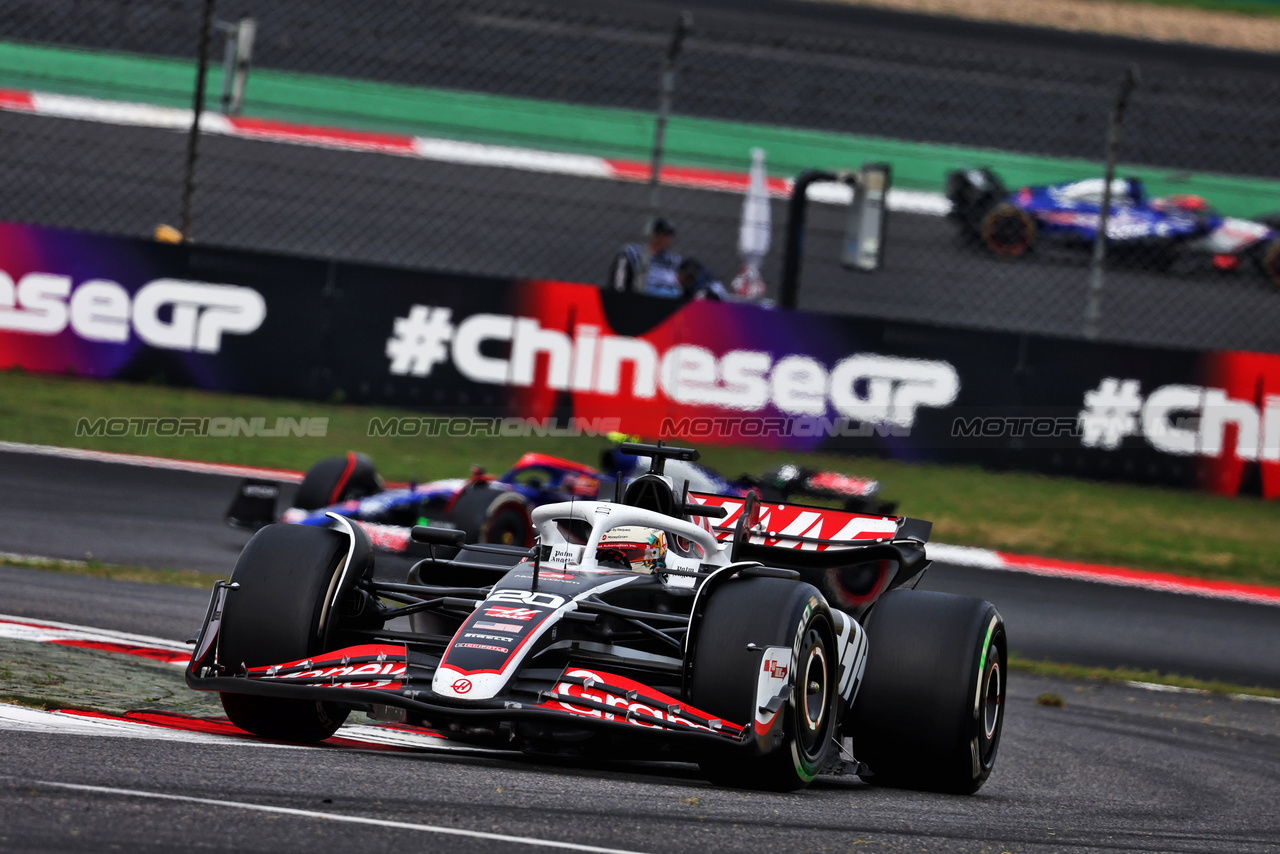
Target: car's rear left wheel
{"x": 1008, "y": 231}
{"x": 336, "y": 479}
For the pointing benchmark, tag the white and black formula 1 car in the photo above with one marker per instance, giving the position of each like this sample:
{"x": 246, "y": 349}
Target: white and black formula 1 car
{"x": 766, "y": 642}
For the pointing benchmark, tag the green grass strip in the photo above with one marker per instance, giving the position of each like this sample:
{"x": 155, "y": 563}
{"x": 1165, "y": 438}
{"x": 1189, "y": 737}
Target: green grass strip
{"x": 1059, "y": 670}
{"x": 116, "y": 572}
{"x": 1258, "y": 8}
{"x": 605, "y": 132}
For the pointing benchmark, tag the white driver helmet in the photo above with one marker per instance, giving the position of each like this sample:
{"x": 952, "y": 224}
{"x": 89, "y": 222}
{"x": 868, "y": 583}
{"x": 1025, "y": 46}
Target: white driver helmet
{"x": 633, "y": 547}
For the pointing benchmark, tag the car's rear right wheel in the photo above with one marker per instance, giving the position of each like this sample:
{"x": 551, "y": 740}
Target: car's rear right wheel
{"x": 495, "y": 516}
{"x": 930, "y": 709}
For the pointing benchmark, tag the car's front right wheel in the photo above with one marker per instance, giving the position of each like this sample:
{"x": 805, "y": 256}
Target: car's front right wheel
{"x": 742, "y": 620}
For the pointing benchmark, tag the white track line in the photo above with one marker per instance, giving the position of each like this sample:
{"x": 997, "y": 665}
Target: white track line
{"x": 151, "y": 462}
{"x": 25, "y": 628}
{"x": 324, "y": 816}
{"x": 964, "y": 556}
{"x": 506, "y": 157}
{"x": 365, "y": 736}
{"x": 431, "y": 148}
{"x": 21, "y": 719}
{"x": 1177, "y": 689}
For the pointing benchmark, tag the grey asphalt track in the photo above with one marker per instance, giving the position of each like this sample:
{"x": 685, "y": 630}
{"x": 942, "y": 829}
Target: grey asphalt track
{"x": 137, "y": 516}
{"x": 1115, "y": 769}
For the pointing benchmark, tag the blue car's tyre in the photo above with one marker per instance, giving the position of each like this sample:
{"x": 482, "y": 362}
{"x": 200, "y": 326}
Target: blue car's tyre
{"x": 495, "y": 516}
{"x": 1270, "y": 261}
{"x": 1008, "y": 231}
{"x": 337, "y": 479}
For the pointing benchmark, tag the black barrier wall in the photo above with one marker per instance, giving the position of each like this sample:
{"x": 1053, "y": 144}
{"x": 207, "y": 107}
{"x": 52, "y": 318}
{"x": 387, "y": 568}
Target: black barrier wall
{"x": 705, "y": 372}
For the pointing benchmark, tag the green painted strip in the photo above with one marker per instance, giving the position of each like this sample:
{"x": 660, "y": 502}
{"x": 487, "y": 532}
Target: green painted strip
{"x": 1242, "y": 7}
{"x": 606, "y": 132}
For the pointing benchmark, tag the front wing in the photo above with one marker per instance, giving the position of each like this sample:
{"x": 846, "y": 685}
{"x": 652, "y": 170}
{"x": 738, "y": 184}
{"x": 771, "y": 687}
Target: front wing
{"x": 391, "y": 674}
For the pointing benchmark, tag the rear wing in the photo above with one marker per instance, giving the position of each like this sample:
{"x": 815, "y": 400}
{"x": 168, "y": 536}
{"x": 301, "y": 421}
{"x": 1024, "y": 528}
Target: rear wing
{"x": 799, "y": 536}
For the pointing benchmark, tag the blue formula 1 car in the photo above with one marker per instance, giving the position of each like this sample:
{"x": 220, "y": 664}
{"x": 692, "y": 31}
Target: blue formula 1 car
{"x": 487, "y": 509}
{"x": 497, "y": 510}
{"x": 1162, "y": 233}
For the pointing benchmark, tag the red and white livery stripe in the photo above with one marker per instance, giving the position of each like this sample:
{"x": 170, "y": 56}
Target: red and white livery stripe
{"x": 64, "y": 634}
{"x": 797, "y": 527}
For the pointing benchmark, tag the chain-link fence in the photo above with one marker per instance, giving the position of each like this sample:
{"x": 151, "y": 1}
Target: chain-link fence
{"x": 515, "y": 138}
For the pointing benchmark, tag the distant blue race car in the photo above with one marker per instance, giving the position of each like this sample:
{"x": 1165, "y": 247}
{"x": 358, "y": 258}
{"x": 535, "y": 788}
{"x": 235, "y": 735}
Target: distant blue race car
{"x": 488, "y": 509}
{"x": 1162, "y": 233}
{"x": 497, "y": 510}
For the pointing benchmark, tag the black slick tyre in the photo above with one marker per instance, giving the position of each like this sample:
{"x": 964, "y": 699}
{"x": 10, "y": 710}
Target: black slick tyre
{"x": 930, "y": 709}
{"x": 495, "y": 516}
{"x": 742, "y": 618}
{"x": 973, "y": 193}
{"x": 280, "y": 613}
{"x": 1008, "y": 231}
{"x": 337, "y": 479}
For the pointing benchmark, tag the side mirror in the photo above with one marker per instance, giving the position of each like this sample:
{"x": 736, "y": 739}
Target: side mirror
{"x": 437, "y": 536}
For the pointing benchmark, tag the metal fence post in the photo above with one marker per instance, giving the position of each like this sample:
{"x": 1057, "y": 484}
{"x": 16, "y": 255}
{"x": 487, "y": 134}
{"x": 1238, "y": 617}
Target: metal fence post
{"x": 1093, "y": 308}
{"x": 237, "y": 54}
{"x": 667, "y": 86}
{"x": 793, "y": 252}
{"x": 193, "y": 139}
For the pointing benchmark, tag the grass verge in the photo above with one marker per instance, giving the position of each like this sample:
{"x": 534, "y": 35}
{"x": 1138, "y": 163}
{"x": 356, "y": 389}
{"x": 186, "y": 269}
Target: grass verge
{"x": 1258, "y": 8}
{"x": 1119, "y": 524}
{"x": 51, "y": 676}
{"x": 95, "y": 569}
{"x": 1022, "y": 664}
